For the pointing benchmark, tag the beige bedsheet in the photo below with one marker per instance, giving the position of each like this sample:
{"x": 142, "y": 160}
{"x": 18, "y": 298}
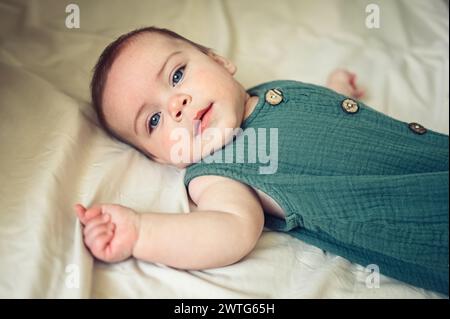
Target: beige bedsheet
{"x": 53, "y": 153}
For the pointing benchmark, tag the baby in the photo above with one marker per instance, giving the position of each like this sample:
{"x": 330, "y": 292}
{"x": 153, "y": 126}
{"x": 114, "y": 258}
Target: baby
{"x": 346, "y": 178}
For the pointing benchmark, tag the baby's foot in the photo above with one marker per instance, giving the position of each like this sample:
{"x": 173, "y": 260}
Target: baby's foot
{"x": 344, "y": 82}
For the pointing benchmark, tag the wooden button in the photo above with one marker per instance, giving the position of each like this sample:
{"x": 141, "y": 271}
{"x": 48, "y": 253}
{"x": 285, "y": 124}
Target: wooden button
{"x": 274, "y": 96}
{"x": 417, "y": 128}
{"x": 350, "y": 106}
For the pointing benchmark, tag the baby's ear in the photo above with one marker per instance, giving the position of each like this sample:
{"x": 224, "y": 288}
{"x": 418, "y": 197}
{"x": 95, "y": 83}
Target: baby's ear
{"x": 227, "y": 64}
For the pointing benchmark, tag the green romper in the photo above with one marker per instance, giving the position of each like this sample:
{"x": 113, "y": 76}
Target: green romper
{"x": 350, "y": 179}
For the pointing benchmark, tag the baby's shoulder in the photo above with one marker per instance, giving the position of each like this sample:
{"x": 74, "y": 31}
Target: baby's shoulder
{"x": 198, "y": 185}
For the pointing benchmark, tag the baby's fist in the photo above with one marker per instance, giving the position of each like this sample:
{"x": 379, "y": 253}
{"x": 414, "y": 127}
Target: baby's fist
{"x": 110, "y": 231}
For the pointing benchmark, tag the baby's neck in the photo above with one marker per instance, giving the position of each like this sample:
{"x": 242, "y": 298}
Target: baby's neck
{"x": 250, "y": 103}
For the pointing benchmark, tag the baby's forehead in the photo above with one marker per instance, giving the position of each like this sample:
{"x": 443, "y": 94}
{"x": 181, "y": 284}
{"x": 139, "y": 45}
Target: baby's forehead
{"x": 153, "y": 41}
{"x": 142, "y": 52}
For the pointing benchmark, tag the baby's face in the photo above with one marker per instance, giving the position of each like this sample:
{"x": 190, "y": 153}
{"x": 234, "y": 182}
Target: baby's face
{"x": 159, "y": 87}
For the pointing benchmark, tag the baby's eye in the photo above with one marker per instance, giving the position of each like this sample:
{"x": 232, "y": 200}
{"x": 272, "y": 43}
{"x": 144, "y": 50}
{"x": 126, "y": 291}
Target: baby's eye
{"x": 154, "y": 120}
{"x": 177, "y": 76}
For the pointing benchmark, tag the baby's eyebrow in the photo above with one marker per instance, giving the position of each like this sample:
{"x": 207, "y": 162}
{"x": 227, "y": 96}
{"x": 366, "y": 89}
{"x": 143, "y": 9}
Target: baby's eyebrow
{"x": 165, "y": 63}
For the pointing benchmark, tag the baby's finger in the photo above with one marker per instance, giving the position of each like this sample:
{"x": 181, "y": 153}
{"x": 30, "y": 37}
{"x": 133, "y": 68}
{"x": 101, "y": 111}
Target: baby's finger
{"x": 80, "y": 211}
{"x": 93, "y": 211}
{"x": 95, "y": 222}
{"x": 100, "y": 244}
{"x": 90, "y": 238}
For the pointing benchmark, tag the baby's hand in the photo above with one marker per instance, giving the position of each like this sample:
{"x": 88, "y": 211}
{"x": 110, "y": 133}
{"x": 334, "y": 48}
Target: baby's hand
{"x": 110, "y": 231}
{"x": 344, "y": 82}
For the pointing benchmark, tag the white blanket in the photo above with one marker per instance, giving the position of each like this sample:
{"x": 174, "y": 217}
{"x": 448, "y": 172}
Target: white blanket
{"x": 53, "y": 153}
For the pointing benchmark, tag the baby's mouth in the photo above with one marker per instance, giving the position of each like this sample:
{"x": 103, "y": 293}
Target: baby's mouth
{"x": 201, "y": 120}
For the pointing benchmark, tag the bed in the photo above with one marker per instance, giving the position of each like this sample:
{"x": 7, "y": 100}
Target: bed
{"x": 54, "y": 154}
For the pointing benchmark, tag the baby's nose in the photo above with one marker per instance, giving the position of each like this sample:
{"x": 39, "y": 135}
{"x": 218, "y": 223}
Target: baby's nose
{"x": 177, "y": 105}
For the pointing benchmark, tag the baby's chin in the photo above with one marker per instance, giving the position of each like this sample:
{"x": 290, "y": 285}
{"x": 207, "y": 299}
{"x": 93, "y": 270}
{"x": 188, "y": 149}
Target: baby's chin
{"x": 218, "y": 136}
{"x": 200, "y": 146}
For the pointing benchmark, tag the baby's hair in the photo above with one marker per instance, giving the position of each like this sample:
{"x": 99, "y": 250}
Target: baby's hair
{"x": 105, "y": 62}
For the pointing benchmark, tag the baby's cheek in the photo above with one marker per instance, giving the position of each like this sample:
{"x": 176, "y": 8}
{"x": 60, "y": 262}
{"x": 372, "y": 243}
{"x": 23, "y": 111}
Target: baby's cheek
{"x": 213, "y": 79}
{"x": 175, "y": 141}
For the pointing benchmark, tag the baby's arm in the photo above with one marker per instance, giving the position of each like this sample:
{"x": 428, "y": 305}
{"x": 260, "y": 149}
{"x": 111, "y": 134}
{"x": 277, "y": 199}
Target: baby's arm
{"x": 225, "y": 228}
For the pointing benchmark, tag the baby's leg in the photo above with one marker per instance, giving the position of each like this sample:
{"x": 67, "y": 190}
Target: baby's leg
{"x": 344, "y": 82}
